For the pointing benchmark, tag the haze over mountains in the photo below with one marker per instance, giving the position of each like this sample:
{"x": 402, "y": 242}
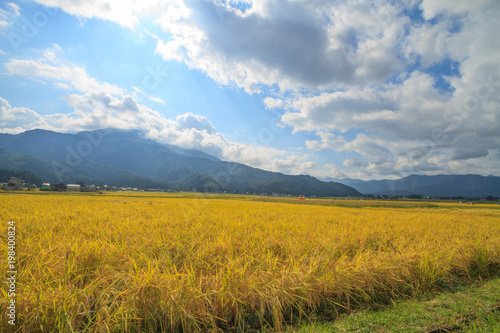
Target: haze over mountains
{"x": 435, "y": 186}
{"x": 126, "y": 158}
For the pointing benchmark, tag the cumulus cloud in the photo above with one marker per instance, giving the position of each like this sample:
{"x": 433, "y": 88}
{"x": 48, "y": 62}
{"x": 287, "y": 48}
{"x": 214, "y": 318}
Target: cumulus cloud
{"x": 407, "y": 128}
{"x": 289, "y": 44}
{"x": 415, "y": 124}
{"x": 197, "y": 122}
{"x": 17, "y": 119}
{"x": 430, "y": 43}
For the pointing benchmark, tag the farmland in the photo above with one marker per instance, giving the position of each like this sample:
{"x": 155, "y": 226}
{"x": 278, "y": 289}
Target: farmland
{"x": 154, "y": 262}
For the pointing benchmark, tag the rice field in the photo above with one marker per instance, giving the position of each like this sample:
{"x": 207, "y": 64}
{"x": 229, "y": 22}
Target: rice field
{"x": 153, "y": 262}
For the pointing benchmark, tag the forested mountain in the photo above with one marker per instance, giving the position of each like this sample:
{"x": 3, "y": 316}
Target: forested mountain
{"x": 28, "y": 177}
{"x": 126, "y": 158}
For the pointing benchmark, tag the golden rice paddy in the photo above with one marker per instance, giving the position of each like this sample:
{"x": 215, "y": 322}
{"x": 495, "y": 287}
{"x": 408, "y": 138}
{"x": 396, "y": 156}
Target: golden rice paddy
{"x": 141, "y": 262}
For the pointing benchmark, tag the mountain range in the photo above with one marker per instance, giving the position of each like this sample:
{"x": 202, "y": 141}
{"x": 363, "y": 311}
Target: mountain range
{"x": 436, "y": 186}
{"x": 127, "y": 158}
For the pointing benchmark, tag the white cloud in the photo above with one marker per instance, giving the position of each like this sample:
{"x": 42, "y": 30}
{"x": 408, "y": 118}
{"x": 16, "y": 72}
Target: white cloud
{"x": 13, "y": 120}
{"x": 63, "y": 74}
{"x": 273, "y": 103}
{"x": 156, "y": 99}
{"x": 430, "y": 44}
{"x": 6, "y": 15}
{"x": 328, "y": 141}
{"x": 408, "y": 128}
{"x": 122, "y": 12}
{"x": 197, "y": 122}
{"x": 64, "y": 86}
{"x": 14, "y": 8}
{"x": 432, "y": 8}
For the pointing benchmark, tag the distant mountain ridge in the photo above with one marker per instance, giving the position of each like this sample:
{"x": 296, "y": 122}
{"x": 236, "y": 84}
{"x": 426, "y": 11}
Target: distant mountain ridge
{"x": 127, "y": 158}
{"x": 436, "y": 186}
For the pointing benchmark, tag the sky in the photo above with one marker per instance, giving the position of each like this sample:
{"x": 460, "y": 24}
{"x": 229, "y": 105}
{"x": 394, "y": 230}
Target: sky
{"x": 334, "y": 89}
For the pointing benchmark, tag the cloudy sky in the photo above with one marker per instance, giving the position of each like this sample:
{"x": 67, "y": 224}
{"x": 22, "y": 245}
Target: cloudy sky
{"x": 360, "y": 89}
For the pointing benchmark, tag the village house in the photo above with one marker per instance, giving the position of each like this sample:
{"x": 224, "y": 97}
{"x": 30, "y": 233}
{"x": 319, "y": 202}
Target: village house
{"x": 15, "y": 184}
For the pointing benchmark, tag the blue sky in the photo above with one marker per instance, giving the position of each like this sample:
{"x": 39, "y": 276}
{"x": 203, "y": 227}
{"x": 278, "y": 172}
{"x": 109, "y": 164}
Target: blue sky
{"x": 365, "y": 89}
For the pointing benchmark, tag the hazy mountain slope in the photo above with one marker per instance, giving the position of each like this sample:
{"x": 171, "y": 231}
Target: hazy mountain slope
{"x": 20, "y": 161}
{"x": 439, "y": 185}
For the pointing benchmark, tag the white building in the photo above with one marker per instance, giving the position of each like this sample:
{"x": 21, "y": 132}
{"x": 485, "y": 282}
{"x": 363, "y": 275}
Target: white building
{"x": 73, "y": 187}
